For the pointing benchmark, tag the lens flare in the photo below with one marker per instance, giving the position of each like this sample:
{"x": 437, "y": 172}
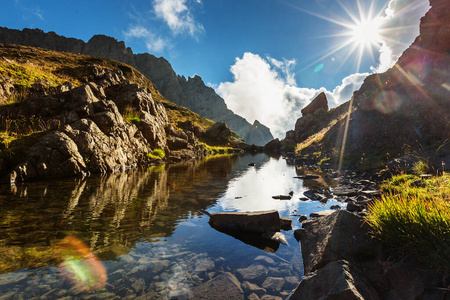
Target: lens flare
{"x": 318, "y": 68}
{"x": 79, "y": 265}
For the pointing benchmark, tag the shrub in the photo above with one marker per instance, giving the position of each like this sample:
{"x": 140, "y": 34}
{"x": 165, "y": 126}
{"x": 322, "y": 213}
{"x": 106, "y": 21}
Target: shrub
{"x": 156, "y": 154}
{"x": 422, "y": 167}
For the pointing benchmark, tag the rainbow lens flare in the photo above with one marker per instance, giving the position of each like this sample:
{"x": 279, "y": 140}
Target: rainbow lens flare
{"x": 80, "y": 266}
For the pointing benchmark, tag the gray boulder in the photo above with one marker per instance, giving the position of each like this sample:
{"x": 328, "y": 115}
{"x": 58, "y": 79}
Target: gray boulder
{"x": 334, "y": 281}
{"x": 337, "y": 235}
{"x": 260, "y": 222}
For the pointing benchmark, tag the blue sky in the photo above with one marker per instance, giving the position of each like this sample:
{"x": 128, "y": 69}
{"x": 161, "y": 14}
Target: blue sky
{"x": 266, "y": 58}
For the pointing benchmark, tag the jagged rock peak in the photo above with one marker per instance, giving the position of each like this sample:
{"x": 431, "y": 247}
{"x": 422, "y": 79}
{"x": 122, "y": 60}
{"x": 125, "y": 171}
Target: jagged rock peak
{"x": 320, "y": 102}
{"x": 106, "y": 42}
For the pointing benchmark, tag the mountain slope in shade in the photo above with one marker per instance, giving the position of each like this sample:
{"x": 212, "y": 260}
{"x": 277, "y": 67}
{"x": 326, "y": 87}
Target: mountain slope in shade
{"x": 191, "y": 93}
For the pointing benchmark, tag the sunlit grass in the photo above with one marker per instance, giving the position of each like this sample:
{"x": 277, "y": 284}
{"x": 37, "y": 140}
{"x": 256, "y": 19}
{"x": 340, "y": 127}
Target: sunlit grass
{"x": 318, "y": 137}
{"x": 215, "y": 149}
{"x": 413, "y": 216}
{"x": 156, "y": 154}
{"x": 131, "y": 116}
{"x": 26, "y": 74}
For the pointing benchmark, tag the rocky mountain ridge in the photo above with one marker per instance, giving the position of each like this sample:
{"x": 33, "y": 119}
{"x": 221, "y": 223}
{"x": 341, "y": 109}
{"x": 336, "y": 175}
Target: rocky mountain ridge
{"x": 191, "y": 93}
{"x": 65, "y": 114}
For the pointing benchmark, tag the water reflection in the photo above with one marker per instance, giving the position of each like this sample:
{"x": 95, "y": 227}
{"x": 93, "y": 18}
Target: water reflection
{"x": 110, "y": 212}
{"x": 252, "y": 239}
{"x": 145, "y": 227}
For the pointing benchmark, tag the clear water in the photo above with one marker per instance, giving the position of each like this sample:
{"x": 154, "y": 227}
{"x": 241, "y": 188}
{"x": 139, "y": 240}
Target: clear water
{"x": 143, "y": 231}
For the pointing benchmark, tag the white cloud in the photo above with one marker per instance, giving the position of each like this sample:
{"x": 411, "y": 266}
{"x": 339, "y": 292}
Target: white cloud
{"x": 265, "y": 89}
{"x": 39, "y": 13}
{"x": 152, "y": 42}
{"x": 178, "y": 16}
{"x": 345, "y": 91}
{"x": 400, "y": 27}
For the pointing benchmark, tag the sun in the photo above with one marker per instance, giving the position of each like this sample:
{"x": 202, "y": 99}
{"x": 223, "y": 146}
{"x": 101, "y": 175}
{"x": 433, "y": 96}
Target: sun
{"x": 366, "y": 33}
{"x": 361, "y": 33}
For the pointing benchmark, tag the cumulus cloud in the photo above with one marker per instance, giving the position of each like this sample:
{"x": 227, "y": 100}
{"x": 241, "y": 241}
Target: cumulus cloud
{"x": 344, "y": 92}
{"x": 265, "y": 89}
{"x": 178, "y": 16}
{"x": 400, "y": 26}
{"x": 152, "y": 41}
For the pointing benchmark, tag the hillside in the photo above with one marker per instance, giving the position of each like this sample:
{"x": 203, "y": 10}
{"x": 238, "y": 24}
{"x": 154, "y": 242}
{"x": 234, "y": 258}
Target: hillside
{"x": 404, "y": 112}
{"x": 191, "y": 93}
{"x": 65, "y": 114}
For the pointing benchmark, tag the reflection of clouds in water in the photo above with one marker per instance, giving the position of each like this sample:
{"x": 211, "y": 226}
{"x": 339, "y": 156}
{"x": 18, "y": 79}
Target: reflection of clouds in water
{"x": 257, "y": 186}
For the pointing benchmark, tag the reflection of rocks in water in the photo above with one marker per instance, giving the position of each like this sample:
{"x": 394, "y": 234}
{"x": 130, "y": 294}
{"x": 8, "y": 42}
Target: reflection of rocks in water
{"x": 128, "y": 200}
{"x": 75, "y": 198}
{"x": 323, "y": 182}
{"x": 158, "y": 199}
{"x": 253, "y": 239}
{"x": 120, "y": 190}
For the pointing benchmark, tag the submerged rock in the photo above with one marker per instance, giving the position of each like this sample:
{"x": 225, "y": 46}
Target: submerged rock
{"x": 307, "y": 176}
{"x": 224, "y": 286}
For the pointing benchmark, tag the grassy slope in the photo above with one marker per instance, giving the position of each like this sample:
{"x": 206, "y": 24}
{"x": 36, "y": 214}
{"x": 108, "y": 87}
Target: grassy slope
{"x": 27, "y": 65}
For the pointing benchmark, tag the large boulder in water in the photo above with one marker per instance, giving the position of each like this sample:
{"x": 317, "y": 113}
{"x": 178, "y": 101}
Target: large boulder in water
{"x": 261, "y": 221}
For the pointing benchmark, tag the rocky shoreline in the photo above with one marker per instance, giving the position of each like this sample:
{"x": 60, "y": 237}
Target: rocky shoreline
{"x": 343, "y": 261}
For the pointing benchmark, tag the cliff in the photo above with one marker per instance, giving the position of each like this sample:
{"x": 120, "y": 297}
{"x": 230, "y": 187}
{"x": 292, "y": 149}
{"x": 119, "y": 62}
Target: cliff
{"x": 402, "y": 111}
{"x": 65, "y": 114}
{"x": 191, "y": 93}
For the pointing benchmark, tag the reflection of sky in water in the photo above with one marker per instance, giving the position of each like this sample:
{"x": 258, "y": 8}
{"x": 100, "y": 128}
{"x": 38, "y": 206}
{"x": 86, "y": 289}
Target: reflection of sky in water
{"x": 257, "y": 186}
{"x": 253, "y": 191}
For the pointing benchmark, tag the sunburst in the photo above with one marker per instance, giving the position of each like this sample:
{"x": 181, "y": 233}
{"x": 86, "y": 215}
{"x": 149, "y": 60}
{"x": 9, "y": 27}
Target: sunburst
{"x": 362, "y": 31}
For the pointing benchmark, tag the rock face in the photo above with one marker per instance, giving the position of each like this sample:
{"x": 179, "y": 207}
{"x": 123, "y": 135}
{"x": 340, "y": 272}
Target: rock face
{"x": 320, "y": 103}
{"x": 341, "y": 261}
{"x": 191, "y": 93}
{"x": 91, "y": 135}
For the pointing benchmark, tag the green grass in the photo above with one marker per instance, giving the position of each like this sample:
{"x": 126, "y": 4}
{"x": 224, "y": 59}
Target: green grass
{"x": 323, "y": 160}
{"x": 413, "y": 186}
{"x": 214, "y": 149}
{"x": 131, "y": 116}
{"x": 413, "y": 219}
{"x": 156, "y": 154}
{"x": 422, "y": 167}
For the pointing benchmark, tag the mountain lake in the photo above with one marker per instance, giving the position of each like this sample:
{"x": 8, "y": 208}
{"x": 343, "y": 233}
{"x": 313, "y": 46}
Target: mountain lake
{"x": 139, "y": 233}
